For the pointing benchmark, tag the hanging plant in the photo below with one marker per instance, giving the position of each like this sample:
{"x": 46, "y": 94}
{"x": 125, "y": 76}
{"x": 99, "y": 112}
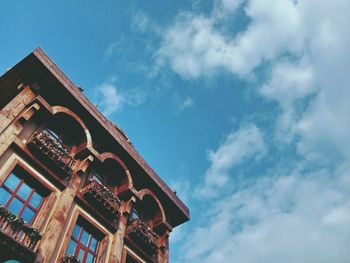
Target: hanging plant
{"x": 18, "y": 224}
{"x": 69, "y": 259}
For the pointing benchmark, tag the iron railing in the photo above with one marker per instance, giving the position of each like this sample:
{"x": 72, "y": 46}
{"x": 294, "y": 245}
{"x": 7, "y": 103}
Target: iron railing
{"x": 55, "y": 150}
{"x": 102, "y": 196}
{"x": 143, "y": 235}
{"x": 18, "y": 229}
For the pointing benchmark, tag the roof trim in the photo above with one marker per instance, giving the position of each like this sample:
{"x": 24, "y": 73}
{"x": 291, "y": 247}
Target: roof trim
{"x": 108, "y": 126}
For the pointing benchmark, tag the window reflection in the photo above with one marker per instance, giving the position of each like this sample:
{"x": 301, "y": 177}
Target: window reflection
{"x": 20, "y": 198}
{"x": 83, "y": 243}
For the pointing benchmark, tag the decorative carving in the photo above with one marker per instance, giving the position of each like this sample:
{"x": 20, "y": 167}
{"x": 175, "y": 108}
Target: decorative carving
{"x": 105, "y": 199}
{"x": 143, "y": 235}
{"x": 18, "y": 229}
{"x": 52, "y": 148}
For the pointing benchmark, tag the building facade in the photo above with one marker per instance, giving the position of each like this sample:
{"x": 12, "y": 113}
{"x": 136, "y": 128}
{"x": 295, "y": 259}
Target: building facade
{"x": 72, "y": 186}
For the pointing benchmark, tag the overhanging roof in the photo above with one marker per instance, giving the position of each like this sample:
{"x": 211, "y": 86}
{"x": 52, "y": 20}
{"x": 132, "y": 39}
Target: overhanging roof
{"x": 39, "y": 56}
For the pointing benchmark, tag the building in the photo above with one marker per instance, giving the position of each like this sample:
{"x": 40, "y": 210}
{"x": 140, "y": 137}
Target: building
{"x": 71, "y": 183}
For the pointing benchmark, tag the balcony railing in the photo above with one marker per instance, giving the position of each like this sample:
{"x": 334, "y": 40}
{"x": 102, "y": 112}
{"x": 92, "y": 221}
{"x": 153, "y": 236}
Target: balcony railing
{"x": 143, "y": 235}
{"x": 101, "y": 196}
{"x": 53, "y": 149}
{"x": 19, "y": 230}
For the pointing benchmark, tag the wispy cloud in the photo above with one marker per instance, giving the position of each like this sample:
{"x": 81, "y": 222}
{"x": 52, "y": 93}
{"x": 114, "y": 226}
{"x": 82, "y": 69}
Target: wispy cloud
{"x": 181, "y": 103}
{"x": 285, "y": 215}
{"x": 193, "y": 46}
{"x": 247, "y": 143}
{"x": 289, "y": 218}
{"x": 110, "y": 99}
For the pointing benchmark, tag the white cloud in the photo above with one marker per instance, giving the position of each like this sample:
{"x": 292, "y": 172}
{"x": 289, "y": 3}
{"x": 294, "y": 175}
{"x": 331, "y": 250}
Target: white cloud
{"x": 193, "y": 46}
{"x": 182, "y": 103}
{"x": 291, "y": 218}
{"x": 289, "y": 81}
{"x": 110, "y": 99}
{"x": 238, "y": 146}
{"x": 286, "y": 216}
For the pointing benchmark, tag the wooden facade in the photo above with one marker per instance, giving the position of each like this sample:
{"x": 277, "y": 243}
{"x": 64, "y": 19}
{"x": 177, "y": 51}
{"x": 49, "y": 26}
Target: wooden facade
{"x": 72, "y": 186}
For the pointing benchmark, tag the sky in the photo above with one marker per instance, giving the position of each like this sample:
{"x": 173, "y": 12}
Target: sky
{"x": 242, "y": 106}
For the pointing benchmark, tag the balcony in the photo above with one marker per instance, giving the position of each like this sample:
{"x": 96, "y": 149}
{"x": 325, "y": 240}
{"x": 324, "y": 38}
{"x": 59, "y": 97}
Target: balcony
{"x": 143, "y": 236}
{"x": 17, "y": 236}
{"x": 102, "y": 198}
{"x": 54, "y": 150}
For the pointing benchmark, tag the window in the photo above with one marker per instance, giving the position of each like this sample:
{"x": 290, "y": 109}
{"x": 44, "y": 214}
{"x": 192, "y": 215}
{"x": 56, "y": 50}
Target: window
{"x": 98, "y": 177}
{"x": 83, "y": 243}
{"x": 134, "y": 214}
{"x": 20, "y": 198}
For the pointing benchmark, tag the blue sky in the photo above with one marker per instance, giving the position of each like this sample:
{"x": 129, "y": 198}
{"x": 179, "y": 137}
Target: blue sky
{"x": 242, "y": 106}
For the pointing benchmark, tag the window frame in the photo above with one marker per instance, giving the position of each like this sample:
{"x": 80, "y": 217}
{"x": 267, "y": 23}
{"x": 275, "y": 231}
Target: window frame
{"x": 103, "y": 250}
{"x": 79, "y": 245}
{"x": 25, "y": 202}
{"x": 14, "y": 161}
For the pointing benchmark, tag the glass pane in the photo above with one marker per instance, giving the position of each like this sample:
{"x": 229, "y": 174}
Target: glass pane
{"x": 71, "y": 247}
{"x": 24, "y": 191}
{"x": 4, "y": 196}
{"x": 134, "y": 214}
{"x": 84, "y": 238}
{"x": 81, "y": 255}
{"x": 12, "y": 181}
{"x": 89, "y": 258}
{"x": 28, "y": 214}
{"x": 35, "y": 200}
{"x": 76, "y": 231}
{"x": 15, "y": 206}
{"x": 97, "y": 177}
{"x": 93, "y": 244}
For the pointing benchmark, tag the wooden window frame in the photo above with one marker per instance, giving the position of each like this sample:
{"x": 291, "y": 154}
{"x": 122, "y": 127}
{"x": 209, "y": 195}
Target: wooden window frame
{"x": 129, "y": 252}
{"x": 102, "y": 252}
{"x": 85, "y": 227}
{"x": 14, "y": 194}
{"x": 40, "y": 181}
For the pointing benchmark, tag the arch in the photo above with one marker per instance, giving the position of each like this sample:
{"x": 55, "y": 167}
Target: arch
{"x": 108, "y": 155}
{"x": 61, "y": 109}
{"x": 147, "y": 192}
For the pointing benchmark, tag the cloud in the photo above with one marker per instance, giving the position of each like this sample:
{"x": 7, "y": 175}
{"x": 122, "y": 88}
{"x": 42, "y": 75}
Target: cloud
{"x": 111, "y": 99}
{"x": 239, "y": 146}
{"x": 289, "y": 218}
{"x": 182, "y": 104}
{"x": 299, "y": 215}
{"x": 225, "y": 7}
{"x": 193, "y": 46}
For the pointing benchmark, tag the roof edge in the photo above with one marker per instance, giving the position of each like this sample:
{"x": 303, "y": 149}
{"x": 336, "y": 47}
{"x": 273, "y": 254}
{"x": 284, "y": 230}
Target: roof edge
{"x": 108, "y": 126}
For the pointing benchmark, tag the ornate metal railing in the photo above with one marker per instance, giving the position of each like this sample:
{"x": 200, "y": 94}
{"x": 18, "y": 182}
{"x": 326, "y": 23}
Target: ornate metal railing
{"x": 143, "y": 235}
{"x": 52, "y": 148}
{"x": 103, "y": 197}
{"x": 18, "y": 229}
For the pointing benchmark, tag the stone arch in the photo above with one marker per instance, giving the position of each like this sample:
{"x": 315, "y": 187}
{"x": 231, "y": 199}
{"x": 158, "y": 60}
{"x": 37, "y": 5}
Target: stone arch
{"x": 145, "y": 193}
{"x": 111, "y": 156}
{"x": 61, "y": 109}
